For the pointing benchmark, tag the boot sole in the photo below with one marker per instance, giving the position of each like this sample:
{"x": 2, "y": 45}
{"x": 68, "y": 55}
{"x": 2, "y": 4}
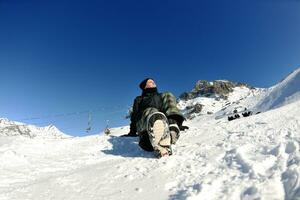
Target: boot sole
{"x": 158, "y": 131}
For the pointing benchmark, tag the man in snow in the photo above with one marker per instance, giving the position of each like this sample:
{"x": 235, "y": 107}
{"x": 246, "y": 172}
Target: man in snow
{"x": 156, "y": 119}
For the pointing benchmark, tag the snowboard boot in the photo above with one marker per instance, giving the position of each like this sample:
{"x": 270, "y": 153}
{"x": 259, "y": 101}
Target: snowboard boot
{"x": 159, "y": 135}
{"x": 174, "y": 133}
{"x": 162, "y": 151}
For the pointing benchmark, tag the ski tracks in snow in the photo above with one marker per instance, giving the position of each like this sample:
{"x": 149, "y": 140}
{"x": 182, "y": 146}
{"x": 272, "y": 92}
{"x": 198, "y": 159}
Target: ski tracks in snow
{"x": 251, "y": 158}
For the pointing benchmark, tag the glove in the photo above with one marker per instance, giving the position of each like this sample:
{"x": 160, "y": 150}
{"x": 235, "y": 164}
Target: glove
{"x": 130, "y": 134}
{"x": 183, "y": 128}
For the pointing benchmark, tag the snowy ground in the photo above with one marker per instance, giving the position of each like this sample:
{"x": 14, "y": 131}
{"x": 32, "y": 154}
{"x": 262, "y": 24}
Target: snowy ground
{"x": 250, "y": 158}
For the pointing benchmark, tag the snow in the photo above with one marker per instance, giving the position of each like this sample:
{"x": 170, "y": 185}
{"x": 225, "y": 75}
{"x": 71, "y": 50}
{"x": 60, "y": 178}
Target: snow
{"x": 250, "y": 158}
{"x": 287, "y": 91}
{"x": 241, "y": 98}
{"x": 11, "y": 128}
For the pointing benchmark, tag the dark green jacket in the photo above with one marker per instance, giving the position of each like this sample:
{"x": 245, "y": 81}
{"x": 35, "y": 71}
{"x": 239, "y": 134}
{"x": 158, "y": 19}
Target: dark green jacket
{"x": 141, "y": 103}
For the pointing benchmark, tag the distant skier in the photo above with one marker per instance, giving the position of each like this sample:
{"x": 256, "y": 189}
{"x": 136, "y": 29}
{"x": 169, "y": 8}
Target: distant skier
{"x": 156, "y": 119}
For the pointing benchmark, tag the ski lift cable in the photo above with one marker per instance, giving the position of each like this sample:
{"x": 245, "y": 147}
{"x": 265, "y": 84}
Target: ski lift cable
{"x": 55, "y": 116}
{"x": 72, "y": 114}
{"x": 42, "y": 124}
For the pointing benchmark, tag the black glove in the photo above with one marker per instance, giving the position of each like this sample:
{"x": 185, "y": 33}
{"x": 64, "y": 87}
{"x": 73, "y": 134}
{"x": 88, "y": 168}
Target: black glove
{"x": 130, "y": 134}
{"x": 183, "y": 128}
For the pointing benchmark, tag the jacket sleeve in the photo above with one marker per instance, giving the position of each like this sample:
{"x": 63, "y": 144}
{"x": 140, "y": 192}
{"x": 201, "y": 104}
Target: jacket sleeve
{"x": 133, "y": 117}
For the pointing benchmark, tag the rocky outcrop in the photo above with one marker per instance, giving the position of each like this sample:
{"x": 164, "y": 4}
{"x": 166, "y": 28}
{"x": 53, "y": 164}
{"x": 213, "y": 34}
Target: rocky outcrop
{"x": 194, "y": 109}
{"x": 216, "y": 89}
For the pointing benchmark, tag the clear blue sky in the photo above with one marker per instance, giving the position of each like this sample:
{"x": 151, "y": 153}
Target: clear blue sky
{"x": 65, "y": 56}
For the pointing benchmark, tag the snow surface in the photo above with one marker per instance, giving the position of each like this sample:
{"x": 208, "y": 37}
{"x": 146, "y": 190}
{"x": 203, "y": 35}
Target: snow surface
{"x": 11, "y": 128}
{"x": 287, "y": 91}
{"x": 250, "y": 158}
{"x": 241, "y": 98}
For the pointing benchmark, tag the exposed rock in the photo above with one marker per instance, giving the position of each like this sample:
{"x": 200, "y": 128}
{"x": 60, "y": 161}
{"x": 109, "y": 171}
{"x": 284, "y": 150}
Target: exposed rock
{"x": 186, "y": 96}
{"x": 193, "y": 109}
{"x": 217, "y": 89}
{"x": 197, "y": 108}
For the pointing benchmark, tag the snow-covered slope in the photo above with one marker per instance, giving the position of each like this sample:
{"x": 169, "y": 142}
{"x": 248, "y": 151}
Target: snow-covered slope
{"x": 250, "y": 158}
{"x": 11, "y": 128}
{"x": 287, "y": 91}
{"x": 244, "y": 97}
{"x": 240, "y": 98}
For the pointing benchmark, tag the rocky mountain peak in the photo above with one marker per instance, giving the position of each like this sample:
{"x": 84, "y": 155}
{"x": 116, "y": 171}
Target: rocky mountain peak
{"x": 217, "y": 88}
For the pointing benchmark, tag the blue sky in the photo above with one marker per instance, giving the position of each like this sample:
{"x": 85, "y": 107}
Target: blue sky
{"x": 59, "y": 57}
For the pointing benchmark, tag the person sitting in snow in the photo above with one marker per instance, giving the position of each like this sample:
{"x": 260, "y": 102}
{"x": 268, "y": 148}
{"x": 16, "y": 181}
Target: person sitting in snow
{"x": 156, "y": 119}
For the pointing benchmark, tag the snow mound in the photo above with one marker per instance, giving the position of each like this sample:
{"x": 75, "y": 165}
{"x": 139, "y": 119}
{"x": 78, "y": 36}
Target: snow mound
{"x": 11, "y": 128}
{"x": 285, "y": 92}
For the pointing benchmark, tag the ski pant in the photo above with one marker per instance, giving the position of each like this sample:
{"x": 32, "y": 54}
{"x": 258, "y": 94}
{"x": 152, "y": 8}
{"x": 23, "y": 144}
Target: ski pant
{"x": 169, "y": 107}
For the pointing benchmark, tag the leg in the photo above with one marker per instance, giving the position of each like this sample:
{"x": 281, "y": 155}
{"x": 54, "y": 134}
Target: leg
{"x": 169, "y": 106}
{"x": 175, "y": 117}
{"x": 154, "y": 132}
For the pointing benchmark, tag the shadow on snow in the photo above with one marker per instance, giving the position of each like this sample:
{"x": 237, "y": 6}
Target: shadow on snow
{"x": 126, "y": 147}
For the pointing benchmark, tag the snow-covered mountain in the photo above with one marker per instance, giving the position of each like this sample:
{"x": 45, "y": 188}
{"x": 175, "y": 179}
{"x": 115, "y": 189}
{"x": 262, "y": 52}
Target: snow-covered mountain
{"x": 255, "y": 157}
{"x": 223, "y": 97}
{"x": 219, "y": 98}
{"x": 285, "y": 92}
{"x": 11, "y": 128}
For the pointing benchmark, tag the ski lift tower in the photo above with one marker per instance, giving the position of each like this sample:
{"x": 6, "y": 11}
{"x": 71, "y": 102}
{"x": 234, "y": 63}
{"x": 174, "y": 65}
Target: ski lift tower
{"x": 89, "y": 128}
{"x": 107, "y": 129}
